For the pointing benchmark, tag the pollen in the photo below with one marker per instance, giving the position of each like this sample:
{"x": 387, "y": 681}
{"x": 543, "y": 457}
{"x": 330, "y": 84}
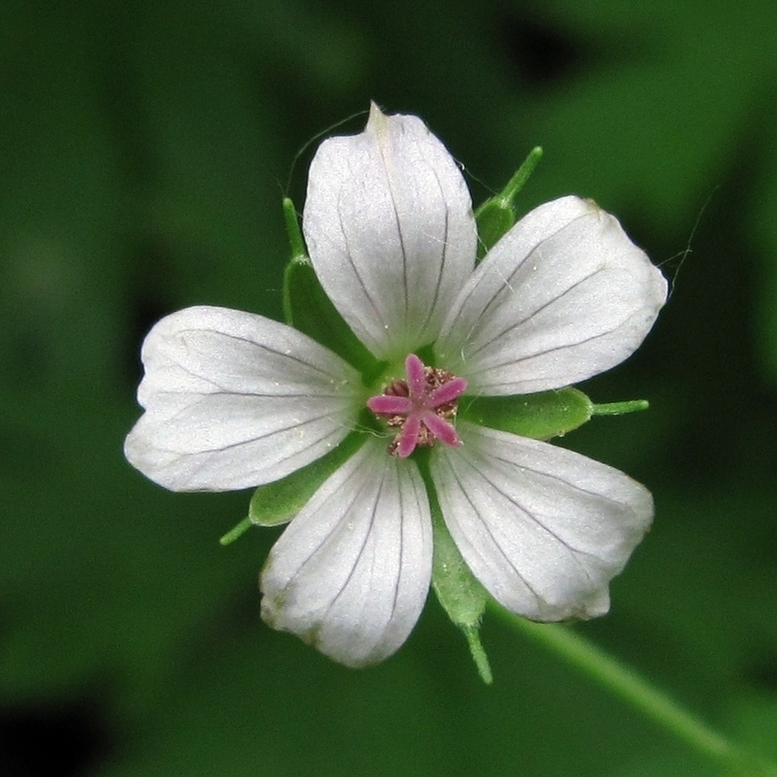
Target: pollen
{"x": 420, "y": 407}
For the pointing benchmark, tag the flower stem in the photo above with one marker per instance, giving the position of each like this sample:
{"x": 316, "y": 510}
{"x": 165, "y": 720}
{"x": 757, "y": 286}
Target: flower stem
{"x": 625, "y": 683}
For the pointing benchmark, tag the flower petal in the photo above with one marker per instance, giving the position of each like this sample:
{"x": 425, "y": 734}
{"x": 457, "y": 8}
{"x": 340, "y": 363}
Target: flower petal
{"x": 543, "y": 528}
{"x": 234, "y": 399}
{"x": 564, "y": 295}
{"x": 351, "y": 572}
{"x": 389, "y": 227}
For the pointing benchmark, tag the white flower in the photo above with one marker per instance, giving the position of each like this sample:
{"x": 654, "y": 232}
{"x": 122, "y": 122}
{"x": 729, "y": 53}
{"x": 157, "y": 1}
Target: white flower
{"x": 234, "y": 399}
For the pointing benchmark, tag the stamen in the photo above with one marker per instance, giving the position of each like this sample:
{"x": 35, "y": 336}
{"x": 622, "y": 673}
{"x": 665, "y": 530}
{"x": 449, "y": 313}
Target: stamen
{"x": 419, "y": 407}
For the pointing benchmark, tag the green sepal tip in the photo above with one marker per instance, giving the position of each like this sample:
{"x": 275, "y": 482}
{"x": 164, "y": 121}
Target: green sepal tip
{"x": 497, "y": 214}
{"x": 620, "y": 408}
{"x": 478, "y": 653}
{"x": 278, "y": 502}
{"x": 237, "y": 532}
{"x": 293, "y": 232}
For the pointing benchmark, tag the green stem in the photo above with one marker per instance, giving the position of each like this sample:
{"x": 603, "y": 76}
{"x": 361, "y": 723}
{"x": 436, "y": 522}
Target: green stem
{"x": 625, "y": 683}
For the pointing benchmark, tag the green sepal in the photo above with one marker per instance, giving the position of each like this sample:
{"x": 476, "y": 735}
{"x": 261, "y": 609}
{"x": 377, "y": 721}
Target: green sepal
{"x": 459, "y": 592}
{"x": 307, "y": 308}
{"x": 494, "y": 219}
{"x": 497, "y": 214}
{"x": 461, "y": 595}
{"x": 280, "y": 501}
{"x": 539, "y": 416}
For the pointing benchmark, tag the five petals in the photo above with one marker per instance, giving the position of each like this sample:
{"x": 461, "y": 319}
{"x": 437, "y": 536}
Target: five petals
{"x": 234, "y": 399}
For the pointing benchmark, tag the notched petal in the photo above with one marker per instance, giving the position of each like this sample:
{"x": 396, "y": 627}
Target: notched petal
{"x": 544, "y": 529}
{"x": 234, "y": 400}
{"x": 351, "y": 572}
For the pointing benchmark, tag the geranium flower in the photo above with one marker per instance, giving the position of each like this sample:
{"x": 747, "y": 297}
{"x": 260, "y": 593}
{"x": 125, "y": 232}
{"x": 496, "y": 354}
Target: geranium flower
{"x": 234, "y": 399}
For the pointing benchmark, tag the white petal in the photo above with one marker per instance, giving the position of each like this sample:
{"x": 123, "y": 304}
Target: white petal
{"x": 351, "y": 572}
{"x": 234, "y": 399}
{"x": 389, "y": 227}
{"x": 544, "y": 529}
{"x": 564, "y": 295}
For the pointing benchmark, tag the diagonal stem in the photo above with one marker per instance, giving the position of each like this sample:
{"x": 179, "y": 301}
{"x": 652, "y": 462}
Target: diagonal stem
{"x": 629, "y": 686}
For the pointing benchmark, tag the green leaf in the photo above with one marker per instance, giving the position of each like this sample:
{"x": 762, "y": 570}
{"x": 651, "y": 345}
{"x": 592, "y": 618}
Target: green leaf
{"x": 497, "y": 214}
{"x": 308, "y": 309}
{"x": 279, "y": 502}
{"x": 539, "y": 416}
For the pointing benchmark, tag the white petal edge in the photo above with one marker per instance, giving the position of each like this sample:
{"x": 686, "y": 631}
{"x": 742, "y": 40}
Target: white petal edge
{"x": 390, "y": 231}
{"x": 544, "y": 529}
{"x": 563, "y": 296}
{"x": 233, "y": 400}
{"x": 351, "y": 572}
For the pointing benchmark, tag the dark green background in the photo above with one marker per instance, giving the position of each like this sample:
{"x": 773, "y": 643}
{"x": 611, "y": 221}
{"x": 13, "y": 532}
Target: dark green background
{"x": 144, "y": 149}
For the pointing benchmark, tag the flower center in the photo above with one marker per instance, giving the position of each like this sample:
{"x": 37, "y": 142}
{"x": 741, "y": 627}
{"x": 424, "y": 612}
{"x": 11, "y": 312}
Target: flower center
{"x": 419, "y": 407}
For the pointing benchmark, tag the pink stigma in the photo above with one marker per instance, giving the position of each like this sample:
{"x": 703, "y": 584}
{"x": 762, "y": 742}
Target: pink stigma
{"x": 420, "y": 407}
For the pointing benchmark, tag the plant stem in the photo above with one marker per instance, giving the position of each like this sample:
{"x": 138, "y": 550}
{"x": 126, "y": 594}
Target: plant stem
{"x": 625, "y": 683}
